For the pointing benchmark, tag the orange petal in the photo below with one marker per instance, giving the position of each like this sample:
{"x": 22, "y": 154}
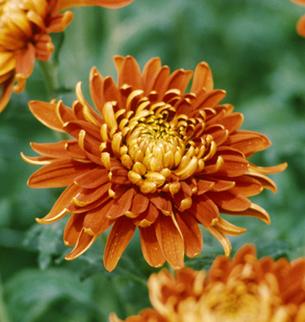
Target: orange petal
{"x": 73, "y": 228}
{"x": 247, "y": 186}
{"x": 96, "y": 88}
{"x": 224, "y": 241}
{"x": 268, "y": 170}
{"x": 209, "y": 99}
{"x": 229, "y": 201}
{"x": 46, "y": 113}
{"x": 180, "y": 79}
{"x": 163, "y": 204}
{"x": 148, "y": 218}
{"x": 60, "y": 22}
{"x": 25, "y": 61}
{"x": 266, "y": 182}
{"x": 87, "y": 197}
{"x": 191, "y": 234}
{"x": 64, "y": 4}
{"x": 96, "y": 219}
{"x": 301, "y": 26}
{"x": 118, "y": 239}
{"x": 161, "y": 81}
{"x": 139, "y": 204}
{"x": 222, "y": 185}
{"x": 228, "y": 228}
{"x": 233, "y": 165}
{"x": 150, "y": 247}
{"x": 253, "y": 211}
{"x": 170, "y": 241}
{"x": 121, "y": 205}
{"x": 6, "y": 92}
{"x": 205, "y": 210}
{"x": 57, "y": 174}
{"x": 150, "y": 72}
{"x": 130, "y": 73}
{"x": 52, "y": 150}
{"x": 248, "y": 142}
{"x": 204, "y": 186}
{"x": 83, "y": 243}
{"x": 92, "y": 179}
{"x": 232, "y": 122}
{"x": 203, "y": 78}
{"x": 60, "y": 207}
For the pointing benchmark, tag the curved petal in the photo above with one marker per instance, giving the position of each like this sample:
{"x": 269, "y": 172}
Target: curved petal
{"x": 6, "y": 92}
{"x": 85, "y": 240}
{"x": 150, "y": 247}
{"x": 117, "y": 241}
{"x": 64, "y": 4}
{"x": 170, "y": 241}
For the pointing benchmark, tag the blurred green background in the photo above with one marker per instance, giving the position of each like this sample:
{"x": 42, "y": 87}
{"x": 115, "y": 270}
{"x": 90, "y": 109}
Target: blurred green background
{"x": 255, "y": 55}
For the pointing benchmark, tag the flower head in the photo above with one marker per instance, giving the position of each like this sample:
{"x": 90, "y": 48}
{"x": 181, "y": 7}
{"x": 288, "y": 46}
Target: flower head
{"x": 25, "y": 27}
{"x": 301, "y": 23}
{"x": 151, "y": 156}
{"x": 238, "y": 290}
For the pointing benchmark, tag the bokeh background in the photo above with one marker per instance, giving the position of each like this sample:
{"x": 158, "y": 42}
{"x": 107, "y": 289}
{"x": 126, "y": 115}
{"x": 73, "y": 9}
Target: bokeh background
{"x": 255, "y": 55}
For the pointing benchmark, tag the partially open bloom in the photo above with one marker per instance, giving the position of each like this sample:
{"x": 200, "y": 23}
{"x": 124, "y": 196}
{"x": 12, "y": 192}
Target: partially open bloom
{"x": 151, "y": 156}
{"x": 244, "y": 289}
{"x": 25, "y": 27}
{"x": 301, "y": 23}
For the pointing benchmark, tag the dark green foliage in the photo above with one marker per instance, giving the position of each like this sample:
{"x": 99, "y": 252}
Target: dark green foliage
{"x": 255, "y": 55}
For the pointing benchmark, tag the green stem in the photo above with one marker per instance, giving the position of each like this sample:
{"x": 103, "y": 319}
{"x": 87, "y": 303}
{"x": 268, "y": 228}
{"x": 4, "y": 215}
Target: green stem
{"x": 50, "y": 73}
{"x": 3, "y": 314}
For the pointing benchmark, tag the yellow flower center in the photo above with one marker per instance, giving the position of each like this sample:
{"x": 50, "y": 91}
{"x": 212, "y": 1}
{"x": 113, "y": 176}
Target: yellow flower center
{"x": 233, "y": 304}
{"x": 159, "y": 147}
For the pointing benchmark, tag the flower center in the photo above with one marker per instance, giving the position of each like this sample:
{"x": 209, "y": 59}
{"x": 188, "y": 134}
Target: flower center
{"x": 236, "y": 303}
{"x": 157, "y": 145}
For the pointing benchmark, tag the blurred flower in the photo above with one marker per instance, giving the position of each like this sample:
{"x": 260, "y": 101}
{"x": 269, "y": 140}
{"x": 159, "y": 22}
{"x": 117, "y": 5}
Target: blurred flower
{"x": 25, "y": 27}
{"x": 237, "y": 290}
{"x": 151, "y": 156}
{"x": 301, "y": 23}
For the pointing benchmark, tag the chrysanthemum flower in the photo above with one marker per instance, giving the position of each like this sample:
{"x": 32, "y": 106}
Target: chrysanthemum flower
{"x": 25, "y": 27}
{"x": 238, "y": 290}
{"x": 151, "y": 156}
{"x": 301, "y": 23}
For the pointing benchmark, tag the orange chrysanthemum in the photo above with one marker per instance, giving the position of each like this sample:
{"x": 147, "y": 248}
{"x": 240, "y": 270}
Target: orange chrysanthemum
{"x": 301, "y": 23}
{"x": 25, "y": 27}
{"x": 152, "y": 156}
{"x": 237, "y": 290}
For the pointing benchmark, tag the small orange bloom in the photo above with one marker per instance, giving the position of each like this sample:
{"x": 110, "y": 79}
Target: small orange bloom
{"x": 244, "y": 289}
{"x": 151, "y": 156}
{"x": 301, "y": 23}
{"x": 25, "y": 27}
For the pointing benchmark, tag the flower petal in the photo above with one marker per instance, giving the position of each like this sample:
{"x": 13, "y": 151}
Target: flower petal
{"x": 150, "y": 247}
{"x": 59, "y": 173}
{"x": 191, "y": 234}
{"x": 170, "y": 241}
{"x": 118, "y": 239}
{"x": 60, "y": 207}
{"x": 83, "y": 243}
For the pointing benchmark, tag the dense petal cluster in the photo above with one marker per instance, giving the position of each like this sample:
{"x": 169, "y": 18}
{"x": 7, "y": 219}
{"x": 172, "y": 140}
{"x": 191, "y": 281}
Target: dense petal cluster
{"x": 25, "y": 27}
{"x": 238, "y": 290}
{"x": 151, "y": 156}
{"x": 301, "y": 23}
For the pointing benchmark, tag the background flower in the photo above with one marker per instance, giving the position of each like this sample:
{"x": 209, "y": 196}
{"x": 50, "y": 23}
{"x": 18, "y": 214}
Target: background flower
{"x": 301, "y": 23}
{"x": 245, "y": 288}
{"x": 26, "y": 26}
{"x": 151, "y": 155}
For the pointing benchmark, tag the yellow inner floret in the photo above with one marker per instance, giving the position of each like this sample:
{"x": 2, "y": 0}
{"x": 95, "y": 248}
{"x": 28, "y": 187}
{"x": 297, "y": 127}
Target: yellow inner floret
{"x": 159, "y": 147}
